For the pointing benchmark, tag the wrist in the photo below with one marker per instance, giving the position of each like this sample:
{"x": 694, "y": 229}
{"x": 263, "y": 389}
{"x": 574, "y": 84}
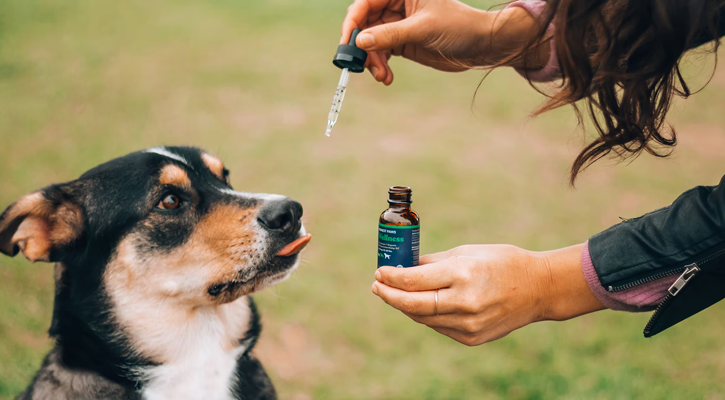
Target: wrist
{"x": 563, "y": 292}
{"x": 506, "y": 32}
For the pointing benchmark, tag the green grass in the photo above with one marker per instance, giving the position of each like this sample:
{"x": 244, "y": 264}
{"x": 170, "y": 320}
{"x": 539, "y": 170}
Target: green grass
{"x": 85, "y": 81}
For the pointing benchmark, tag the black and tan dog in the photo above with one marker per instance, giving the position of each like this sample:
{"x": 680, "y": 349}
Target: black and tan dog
{"x": 155, "y": 258}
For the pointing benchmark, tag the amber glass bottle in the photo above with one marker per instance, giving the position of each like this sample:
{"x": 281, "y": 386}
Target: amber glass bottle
{"x": 399, "y": 231}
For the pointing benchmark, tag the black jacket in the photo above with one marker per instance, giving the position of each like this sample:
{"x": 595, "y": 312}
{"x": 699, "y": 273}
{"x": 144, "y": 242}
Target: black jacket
{"x": 686, "y": 238}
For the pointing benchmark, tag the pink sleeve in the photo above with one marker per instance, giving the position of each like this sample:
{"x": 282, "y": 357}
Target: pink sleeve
{"x": 550, "y": 71}
{"x": 644, "y": 297}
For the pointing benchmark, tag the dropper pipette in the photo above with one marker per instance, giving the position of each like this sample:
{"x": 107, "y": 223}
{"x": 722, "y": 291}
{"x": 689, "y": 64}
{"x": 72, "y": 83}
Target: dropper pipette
{"x": 337, "y": 101}
{"x": 349, "y": 58}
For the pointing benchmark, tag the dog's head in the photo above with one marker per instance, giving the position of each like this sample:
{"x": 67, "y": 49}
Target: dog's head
{"x": 164, "y": 222}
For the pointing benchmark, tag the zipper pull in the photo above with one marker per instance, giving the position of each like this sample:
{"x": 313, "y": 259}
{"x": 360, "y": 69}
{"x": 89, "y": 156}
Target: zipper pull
{"x": 690, "y": 271}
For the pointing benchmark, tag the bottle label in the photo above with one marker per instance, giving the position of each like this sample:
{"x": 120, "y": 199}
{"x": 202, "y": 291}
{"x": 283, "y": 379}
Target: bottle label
{"x": 398, "y": 246}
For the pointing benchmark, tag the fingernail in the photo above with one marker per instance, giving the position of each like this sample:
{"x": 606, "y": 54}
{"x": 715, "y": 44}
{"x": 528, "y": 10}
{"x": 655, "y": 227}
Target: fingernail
{"x": 365, "y": 40}
{"x": 378, "y": 275}
{"x": 374, "y": 70}
{"x": 375, "y": 288}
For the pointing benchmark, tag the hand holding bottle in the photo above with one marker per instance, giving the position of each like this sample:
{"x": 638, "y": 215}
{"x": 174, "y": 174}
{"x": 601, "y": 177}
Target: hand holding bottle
{"x": 480, "y": 293}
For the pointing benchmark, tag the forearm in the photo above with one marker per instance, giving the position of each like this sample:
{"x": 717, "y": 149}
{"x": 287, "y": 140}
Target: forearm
{"x": 563, "y": 289}
{"x": 510, "y": 30}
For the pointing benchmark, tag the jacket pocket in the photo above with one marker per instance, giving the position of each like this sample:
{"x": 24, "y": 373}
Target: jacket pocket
{"x": 701, "y": 285}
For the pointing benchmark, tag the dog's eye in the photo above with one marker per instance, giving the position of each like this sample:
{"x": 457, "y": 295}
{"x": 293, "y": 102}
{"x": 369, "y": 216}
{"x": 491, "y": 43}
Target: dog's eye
{"x": 169, "y": 202}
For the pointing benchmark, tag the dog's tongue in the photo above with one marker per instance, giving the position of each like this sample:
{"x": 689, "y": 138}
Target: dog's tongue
{"x": 295, "y": 247}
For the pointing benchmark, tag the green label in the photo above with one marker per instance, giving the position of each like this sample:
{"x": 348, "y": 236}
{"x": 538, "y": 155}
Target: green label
{"x": 398, "y": 246}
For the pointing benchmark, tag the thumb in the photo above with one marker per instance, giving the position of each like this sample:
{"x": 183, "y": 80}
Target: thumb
{"x": 391, "y": 35}
{"x": 434, "y": 258}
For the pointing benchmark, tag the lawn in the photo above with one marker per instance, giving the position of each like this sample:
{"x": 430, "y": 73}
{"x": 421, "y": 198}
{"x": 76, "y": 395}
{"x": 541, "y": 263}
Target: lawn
{"x": 85, "y": 81}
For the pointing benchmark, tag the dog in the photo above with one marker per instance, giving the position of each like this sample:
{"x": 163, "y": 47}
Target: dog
{"x": 155, "y": 258}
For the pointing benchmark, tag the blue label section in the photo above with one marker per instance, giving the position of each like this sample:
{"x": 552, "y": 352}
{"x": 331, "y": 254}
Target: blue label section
{"x": 398, "y": 246}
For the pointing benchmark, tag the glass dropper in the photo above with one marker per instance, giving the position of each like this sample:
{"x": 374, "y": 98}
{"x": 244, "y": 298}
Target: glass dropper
{"x": 337, "y": 100}
{"x": 349, "y": 58}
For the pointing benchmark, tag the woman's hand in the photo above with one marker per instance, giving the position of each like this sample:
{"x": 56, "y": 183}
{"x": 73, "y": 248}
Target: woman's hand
{"x": 443, "y": 34}
{"x": 487, "y": 291}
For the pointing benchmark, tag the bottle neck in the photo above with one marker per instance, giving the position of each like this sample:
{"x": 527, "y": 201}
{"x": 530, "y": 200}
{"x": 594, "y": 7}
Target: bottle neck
{"x": 399, "y": 198}
{"x": 398, "y": 205}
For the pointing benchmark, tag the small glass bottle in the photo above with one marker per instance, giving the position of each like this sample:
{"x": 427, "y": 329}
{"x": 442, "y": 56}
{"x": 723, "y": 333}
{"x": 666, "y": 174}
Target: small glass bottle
{"x": 399, "y": 231}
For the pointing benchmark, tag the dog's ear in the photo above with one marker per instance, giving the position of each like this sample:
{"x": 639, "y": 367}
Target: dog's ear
{"x": 39, "y": 224}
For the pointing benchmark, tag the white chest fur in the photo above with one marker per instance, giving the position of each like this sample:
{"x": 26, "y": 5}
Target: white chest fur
{"x": 205, "y": 372}
{"x": 199, "y": 352}
{"x": 202, "y": 368}
{"x": 158, "y": 305}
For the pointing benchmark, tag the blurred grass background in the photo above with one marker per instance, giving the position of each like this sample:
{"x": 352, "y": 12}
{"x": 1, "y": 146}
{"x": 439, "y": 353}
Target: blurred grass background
{"x": 85, "y": 81}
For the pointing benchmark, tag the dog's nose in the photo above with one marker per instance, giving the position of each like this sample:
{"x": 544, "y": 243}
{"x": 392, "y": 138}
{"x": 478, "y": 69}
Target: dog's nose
{"x": 281, "y": 216}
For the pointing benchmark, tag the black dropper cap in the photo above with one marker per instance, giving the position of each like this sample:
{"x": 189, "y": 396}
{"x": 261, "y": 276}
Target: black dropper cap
{"x": 350, "y": 56}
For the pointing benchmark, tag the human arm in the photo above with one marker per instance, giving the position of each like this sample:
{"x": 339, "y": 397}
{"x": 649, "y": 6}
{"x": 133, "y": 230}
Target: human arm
{"x": 487, "y": 291}
{"x": 443, "y": 34}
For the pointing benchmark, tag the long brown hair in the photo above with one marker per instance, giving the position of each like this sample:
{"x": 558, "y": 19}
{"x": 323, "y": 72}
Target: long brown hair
{"x": 622, "y": 58}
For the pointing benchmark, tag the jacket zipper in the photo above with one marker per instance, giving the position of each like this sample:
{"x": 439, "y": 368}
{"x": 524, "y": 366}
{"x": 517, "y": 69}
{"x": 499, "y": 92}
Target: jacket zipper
{"x": 638, "y": 282}
{"x": 660, "y": 275}
{"x": 690, "y": 271}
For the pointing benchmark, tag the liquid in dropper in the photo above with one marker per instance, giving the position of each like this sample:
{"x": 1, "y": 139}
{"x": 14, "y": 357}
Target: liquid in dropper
{"x": 337, "y": 101}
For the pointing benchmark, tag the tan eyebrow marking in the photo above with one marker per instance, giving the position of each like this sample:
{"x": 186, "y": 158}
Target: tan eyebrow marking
{"x": 174, "y": 175}
{"x": 215, "y": 165}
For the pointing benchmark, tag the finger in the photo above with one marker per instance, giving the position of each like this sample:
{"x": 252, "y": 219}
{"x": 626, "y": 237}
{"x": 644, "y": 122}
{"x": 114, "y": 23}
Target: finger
{"x": 389, "y": 75}
{"x": 464, "y": 251}
{"x": 384, "y": 56}
{"x": 446, "y": 331}
{"x": 433, "y": 258}
{"x": 376, "y": 66}
{"x": 459, "y": 322}
{"x": 417, "y": 303}
{"x": 465, "y": 327}
{"x": 388, "y": 36}
{"x": 358, "y": 15}
{"x": 385, "y": 59}
{"x": 390, "y": 15}
{"x": 377, "y": 61}
{"x": 460, "y": 337}
{"x": 423, "y": 277}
